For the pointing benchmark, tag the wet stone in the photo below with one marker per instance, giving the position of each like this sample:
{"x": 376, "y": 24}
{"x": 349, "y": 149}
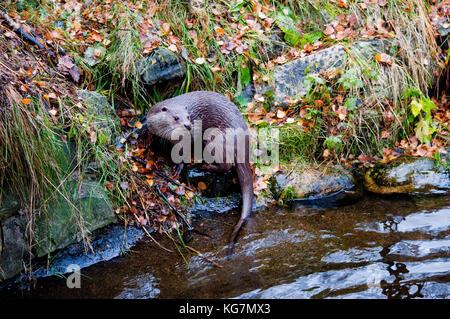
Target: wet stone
{"x": 408, "y": 175}
{"x": 107, "y": 243}
{"x": 13, "y": 249}
{"x": 59, "y": 227}
{"x": 101, "y": 114}
{"x": 161, "y": 66}
{"x": 327, "y": 185}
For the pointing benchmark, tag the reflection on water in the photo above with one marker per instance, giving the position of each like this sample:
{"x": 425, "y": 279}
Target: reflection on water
{"x": 377, "y": 248}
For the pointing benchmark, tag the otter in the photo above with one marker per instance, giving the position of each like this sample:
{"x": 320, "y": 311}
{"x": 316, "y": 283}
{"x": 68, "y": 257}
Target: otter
{"x": 214, "y": 111}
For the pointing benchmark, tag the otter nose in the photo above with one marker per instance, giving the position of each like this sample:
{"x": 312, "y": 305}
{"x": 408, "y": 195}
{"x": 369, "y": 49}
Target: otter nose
{"x": 188, "y": 126}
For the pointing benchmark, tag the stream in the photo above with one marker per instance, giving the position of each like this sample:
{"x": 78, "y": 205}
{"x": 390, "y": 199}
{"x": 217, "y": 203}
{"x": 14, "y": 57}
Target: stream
{"x": 396, "y": 247}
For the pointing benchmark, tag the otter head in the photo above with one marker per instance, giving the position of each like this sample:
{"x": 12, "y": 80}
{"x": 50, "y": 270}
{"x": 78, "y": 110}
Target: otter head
{"x": 163, "y": 119}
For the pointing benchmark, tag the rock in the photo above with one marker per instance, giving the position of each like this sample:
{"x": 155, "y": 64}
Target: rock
{"x": 335, "y": 184}
{"x": 93, "y": 55}
{"x": 407, "y": 175}
{"x": 443, "y": 26}
{"x": 216, "y": 205}
{"x": 161, "y": 66}
{"x": 276, "y": 45}
{"x": 59, "y": 227}
{"x": 14, "y": 247}
{"x": 107, "y": 243}
{"x": 217, "y": 184}
{"x": 289, "y": 78}
{"x": 101, "y": 115}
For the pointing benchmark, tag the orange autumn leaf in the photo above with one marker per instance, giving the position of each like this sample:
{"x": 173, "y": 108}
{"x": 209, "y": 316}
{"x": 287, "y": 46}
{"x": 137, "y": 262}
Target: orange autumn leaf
{"x": 26, "y": 101}
{"x": 384, "y": 58}
{"x": 109, "y": 185}
{"x": 329, "y": 30}
{"x": 201, "y": 186}
{"x": 220, "y": 32}
{"x": 166, "y": 27}
{"x": 342, "y": 4}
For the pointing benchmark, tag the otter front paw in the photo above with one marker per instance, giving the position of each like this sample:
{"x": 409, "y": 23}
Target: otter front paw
{"x": 178, "y": 169}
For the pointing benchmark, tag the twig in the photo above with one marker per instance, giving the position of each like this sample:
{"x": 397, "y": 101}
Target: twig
{"x": 192, "y": 249}
{"x": 16, "y": 28}
{"x": 171, "y": 180}
{"x": 157, "y": 172}
{"x": 148, "y": 234}
{"x": 190, "y": 228}
{"x": 203, "y": 256}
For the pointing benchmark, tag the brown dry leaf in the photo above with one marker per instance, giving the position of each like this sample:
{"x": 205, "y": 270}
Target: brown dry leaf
{"x": 384, "y": 134}
{"x": 280, "y": 60}
{"x": 172, "y": 48}
{"x": 329, "y": 30}
{"x": 352, "y": 20}
{"x": 342, "y": 4}
{"x": 201, "y": 186}
{"x": 180, "y": 190}
{"x": 342, "y": 113}
{"x": 166, "y": 27}
{"x": 216, "y": 69}
{"x": 95, "y": 36}
{"x": 220, "y": 32}
{"x": 109, "y": 185}
{"x": 76, "y": 26}
{"x": 384, "y": 58}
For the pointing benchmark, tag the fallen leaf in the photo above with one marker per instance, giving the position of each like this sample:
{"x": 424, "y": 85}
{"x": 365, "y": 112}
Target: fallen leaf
{"x": 220, "y": 32}
{"x": 201, "y": 186}
{"x": 281, "y": 114}
{"x": 384, "y": 58}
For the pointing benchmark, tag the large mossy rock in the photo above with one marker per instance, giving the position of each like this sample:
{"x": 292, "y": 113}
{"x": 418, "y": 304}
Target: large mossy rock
{"x": 101, "y": 115}
{"x": 161, "y": 66}
{"x": 289, "y": 78}
{"x": 331, "y": 185}
{"x": 13, "y": 248}
{"x": 61, "y": 224}
{"x": 408, "y": 175}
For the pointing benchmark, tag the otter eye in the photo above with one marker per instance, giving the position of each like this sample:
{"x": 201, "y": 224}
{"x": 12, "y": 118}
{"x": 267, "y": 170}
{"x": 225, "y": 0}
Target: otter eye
{"x": 164, "y": 109}
{"x": 185, "y": 107}
{"x": 176, "y": 118}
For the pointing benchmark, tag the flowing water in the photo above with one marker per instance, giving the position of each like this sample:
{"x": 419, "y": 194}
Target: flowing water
{"x": 376, "y": 248}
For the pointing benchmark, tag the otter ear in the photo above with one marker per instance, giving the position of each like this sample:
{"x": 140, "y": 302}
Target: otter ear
{"x": 164, "y": 109}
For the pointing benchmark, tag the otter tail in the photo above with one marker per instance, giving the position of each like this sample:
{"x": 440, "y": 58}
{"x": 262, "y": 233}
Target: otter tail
{"x": 244, "y": 173}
